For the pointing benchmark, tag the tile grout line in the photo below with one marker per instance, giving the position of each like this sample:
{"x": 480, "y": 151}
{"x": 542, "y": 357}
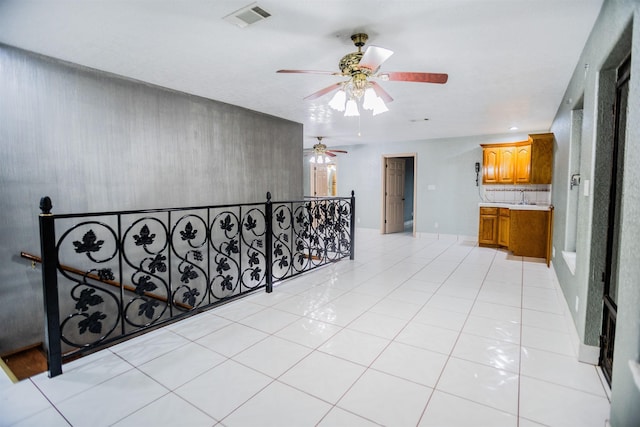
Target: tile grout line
{"x": 450, "y": 355}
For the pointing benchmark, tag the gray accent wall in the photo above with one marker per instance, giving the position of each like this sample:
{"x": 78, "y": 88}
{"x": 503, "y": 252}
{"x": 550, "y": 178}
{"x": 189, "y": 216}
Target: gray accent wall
{"x": 616, "y": 33}
{"x": 93, "y": 141}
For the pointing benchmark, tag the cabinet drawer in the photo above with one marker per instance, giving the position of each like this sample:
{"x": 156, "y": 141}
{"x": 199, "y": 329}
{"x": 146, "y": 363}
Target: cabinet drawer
{"x": 489, "y": 211}
{"x": 504, "y": 211}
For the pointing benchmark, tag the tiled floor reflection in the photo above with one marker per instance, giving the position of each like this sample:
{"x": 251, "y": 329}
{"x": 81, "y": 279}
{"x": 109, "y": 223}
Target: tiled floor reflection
{"x": 415, "y": 332}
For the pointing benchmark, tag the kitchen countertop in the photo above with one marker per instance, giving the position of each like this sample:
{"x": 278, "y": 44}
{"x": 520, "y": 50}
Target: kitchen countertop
{"x": 514, "y": 206}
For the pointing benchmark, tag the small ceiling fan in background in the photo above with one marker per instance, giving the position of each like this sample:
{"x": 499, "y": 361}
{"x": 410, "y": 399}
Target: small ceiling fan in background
{"x": 320, "y": 153}
{"x": 360, "y": 67}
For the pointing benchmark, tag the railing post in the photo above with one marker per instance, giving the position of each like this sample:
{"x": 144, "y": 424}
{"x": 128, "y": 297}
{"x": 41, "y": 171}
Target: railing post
{"x": 268, "y": 219}
{"x": 352, "y": 227}
{"x": 50, "y": 288}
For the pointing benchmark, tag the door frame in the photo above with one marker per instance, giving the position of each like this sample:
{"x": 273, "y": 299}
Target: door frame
{"x": 383, "y": 186}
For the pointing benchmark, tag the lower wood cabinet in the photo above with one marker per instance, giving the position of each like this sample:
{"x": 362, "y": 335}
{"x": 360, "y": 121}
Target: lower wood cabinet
{"x": 488, "y": 229}
{"x": 530, "y": 233}
{"x": 504, "y": 225}
{"x": 523, "y": 232}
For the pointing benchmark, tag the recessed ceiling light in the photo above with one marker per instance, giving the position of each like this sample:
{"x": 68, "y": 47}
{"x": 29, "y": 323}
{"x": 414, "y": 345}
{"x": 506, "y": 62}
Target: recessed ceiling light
{"x": 513, "y": 128}
{"x": 426, "y": 119}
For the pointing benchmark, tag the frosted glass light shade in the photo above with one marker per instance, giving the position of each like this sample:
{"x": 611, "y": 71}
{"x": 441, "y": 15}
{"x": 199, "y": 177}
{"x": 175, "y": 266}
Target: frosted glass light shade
{"x": 379, "y": 107}
{"x": 351, "y": 109}
{"x": 338, "y": 100}
{"x": 369, "y": 100}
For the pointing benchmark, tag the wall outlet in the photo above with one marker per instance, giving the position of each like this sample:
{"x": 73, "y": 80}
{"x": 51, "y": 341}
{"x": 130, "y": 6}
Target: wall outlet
{"x": 577, "y": 303}
{"x": 436, "y": 225}
{"x": 358, "y": 220}
{"x": 431, "y": 187}
{"x": 553, "y": 252}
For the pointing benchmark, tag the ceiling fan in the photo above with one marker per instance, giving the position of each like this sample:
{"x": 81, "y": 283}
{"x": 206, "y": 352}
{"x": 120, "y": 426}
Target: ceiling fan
{"x": 320, "y": 153}
{"x": 359, "y": 67}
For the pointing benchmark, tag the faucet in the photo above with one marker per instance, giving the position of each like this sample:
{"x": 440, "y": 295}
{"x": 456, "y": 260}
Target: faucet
{"x": 522, "y": 201}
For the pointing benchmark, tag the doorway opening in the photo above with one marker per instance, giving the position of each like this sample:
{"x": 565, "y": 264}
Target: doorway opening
{"x": 323, "y": 179}
{"x": 399, "y": 193}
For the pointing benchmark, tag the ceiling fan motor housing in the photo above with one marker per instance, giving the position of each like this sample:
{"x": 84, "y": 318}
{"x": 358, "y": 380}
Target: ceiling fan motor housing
{"x": 350, "y": 63}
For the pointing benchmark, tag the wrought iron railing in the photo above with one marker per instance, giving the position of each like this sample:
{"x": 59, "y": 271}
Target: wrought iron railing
{"x": 110, "y": 276}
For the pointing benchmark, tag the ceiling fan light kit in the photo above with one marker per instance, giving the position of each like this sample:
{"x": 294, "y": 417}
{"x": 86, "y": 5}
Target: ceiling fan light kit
{"x": 360, "y": 67}
{"x": 322, "y": 154}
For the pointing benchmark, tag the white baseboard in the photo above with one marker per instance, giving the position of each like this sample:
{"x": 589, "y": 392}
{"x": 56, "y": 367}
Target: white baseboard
{"x": 588, "y": 354}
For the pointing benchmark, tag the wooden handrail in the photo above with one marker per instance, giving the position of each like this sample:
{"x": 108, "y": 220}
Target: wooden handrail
{"x": 35, "y": 258}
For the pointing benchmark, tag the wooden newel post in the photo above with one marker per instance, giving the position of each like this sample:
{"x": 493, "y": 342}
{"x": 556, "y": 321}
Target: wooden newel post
{"x": 50, "y": 288}
{"x": 268, "y": 219}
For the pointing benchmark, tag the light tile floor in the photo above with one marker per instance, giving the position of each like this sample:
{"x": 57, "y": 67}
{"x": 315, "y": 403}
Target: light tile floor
{"x": 415, "y": 332}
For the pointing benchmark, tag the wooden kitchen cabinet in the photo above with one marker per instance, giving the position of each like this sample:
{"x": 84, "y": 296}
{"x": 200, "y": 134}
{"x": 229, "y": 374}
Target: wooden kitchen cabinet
{"x": 524, "y": 232}
{"x": 494, "y": 227}
{"x": 488, "y": 229}
{"x": 499, "y": 165}
{"x": 504, "y": 224}
{"x": 524, "y": 162}
{"x": 541, "y": 158}
{"x": 531, "y": 233}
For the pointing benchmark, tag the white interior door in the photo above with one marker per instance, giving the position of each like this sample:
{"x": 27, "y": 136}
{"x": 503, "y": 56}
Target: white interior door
{"x": 394, "y": 195}
{"x": 319, "y": 180}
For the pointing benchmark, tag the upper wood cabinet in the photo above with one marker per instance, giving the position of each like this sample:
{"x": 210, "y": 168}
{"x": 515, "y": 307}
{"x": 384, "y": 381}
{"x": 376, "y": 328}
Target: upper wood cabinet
{"x": 499, "y": 165}
{"x": 525, "y": 162}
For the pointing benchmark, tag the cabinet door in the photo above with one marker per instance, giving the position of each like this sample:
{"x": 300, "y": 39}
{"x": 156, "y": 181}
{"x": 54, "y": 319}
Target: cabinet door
{"x": 503, "y": 229}
{"x": 490, "y": 164}
{"x": 523, "y": 164}
{"x": 541, "y": 158}
{"x": 488, "y": 232}
{"x": 507, "y": 165}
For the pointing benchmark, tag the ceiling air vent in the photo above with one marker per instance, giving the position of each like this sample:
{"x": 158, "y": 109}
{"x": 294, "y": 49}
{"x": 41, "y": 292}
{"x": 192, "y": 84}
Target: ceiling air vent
{"x": 247, "y": 15}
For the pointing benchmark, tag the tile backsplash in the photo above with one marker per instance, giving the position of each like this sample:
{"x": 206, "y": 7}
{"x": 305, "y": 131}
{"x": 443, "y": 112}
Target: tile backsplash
{"x": 539, "y": 194}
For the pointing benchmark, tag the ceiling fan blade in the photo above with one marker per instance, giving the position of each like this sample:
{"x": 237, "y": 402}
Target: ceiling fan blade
{"x": 400, "y": 76}
{"x": 308, "y": 72}
{"x": 381, "y": 92}
{"x": 330, "y": 154}
{"x": 374, "y": 56}
{"x": 336, "y": 151}
{"x": 324, "y": 91}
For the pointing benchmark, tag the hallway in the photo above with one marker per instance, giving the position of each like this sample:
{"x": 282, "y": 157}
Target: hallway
{"x": 414, "y": 332}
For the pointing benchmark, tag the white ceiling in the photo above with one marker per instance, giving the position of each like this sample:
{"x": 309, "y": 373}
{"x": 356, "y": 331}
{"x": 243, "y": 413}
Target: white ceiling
{"x": 509, "y": 61}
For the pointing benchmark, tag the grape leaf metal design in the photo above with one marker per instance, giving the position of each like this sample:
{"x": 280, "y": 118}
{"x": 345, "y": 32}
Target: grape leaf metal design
{"x": 226, "y": 224}
{"x": 255, "y": 274}
{"x": 148, "y": 308}
{"x": 251, "y": 223}
{"x": 284, "y": 262}
{"x": 145, "y": 285}
{"x": 189, "y": 233}
{"x": 158, "y": 264}
{"x": 278, "y": 250}
{"x": 188, "y": 274}
{"x": 223, "y": 265}
{"x": 280, "y": 217}
{"x": 105, "y": 274}
{"x": 90, "y": 243}
{"x": 145, "y": 237}
{"x": 92, "y": 323}
{"x": 253, "y": 259}
{"x": 88, "y": 298}
{"x": 232, "y": 247}
{"x": 189, "y": 297}
{"x": 227, "y": 283}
